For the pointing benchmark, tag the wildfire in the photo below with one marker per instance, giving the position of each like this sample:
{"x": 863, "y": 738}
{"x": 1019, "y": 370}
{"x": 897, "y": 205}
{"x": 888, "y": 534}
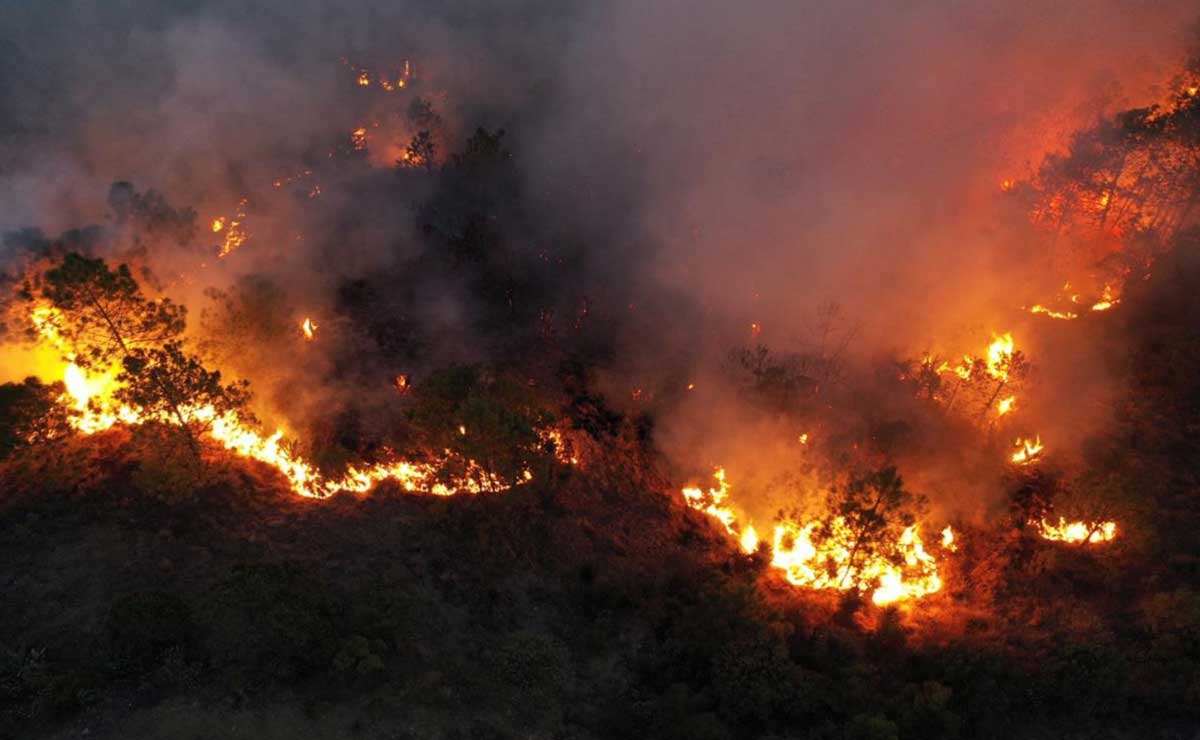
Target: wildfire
{"x": 823, "y": 554}
{"x": 1064, "y": 315}
{"x": 1078, "y": 532}
{"x": 235, "y": 231}
{"x": 948, "y": 539}
{"x": 90, "y": 396}
{"x": 999, "y": 355}
{"x": 1006, "y": 405}
{"x": 309, "y": 329}
{"x": 1107, "y": 300}
{"x": 1027, "y": 450}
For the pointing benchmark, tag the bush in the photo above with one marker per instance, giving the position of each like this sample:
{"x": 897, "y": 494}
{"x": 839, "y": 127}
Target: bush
{"x": 531, "y": 662}
{"x": 146, "y": 627}
{"x": 270, "y": 622}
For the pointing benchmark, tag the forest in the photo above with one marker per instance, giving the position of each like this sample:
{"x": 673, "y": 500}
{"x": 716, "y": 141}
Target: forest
{"x": 393, "y": 444}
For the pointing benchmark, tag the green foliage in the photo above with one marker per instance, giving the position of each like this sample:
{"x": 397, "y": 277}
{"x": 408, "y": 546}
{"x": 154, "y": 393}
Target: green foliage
{"x": 359, "y": 657}
{"x": 422, "y": 115}
{"x": 269, "y": 622}
{"x": 244, "y": 327}
{"x": 150, "y": 216}
{"x": 871, "y": 727}
{"x": 421, "y": 151}
{"x": 755, "y": 682}
{"x": 166, "y": 382}
{"x": 145, "y": 626}
{"x": 481, "y": 415}
{"x": 105, "y": 319}
{"x": 102, "y": 314}
{"x": 30, "y": 414}
{"x": 876, "y": 509}
{"x": 532, "y": 663}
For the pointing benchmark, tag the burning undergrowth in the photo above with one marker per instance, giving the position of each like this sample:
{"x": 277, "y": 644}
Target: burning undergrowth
{"x": 476, "y": 303}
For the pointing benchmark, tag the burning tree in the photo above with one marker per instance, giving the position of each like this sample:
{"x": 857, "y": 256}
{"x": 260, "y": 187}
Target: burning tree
{"x": 868, "y": 517}
{"x": 30, "y": 414}
{"x": 101, "y": 320}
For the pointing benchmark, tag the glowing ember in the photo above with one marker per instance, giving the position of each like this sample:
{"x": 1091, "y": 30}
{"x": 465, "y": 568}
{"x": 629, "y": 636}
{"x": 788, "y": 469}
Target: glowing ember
{"x": 1064, "y": 315}
{"x": 1107, "y": 300}
{"x": 235, "y": 231}
{"x": 1078, "y": 532}
{"x": 402, "y": 383}
{"x": 1027, "y": 450}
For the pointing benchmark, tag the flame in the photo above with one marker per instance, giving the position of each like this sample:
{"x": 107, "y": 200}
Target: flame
{"x": 358, "y": 139}
{"x": 364, "y": 78}
{"x": 755, "y": 329}
{"x": 1027, "y": 450}
{"x": 749, "y": 539}
{"x": 1078, "y": 532}
{"x": 999, "y": 354}
{"x": 401, "y": 382}
{"x": 1006, "y": 405}
{"x": 1007, "y": 185}
{"x": 1064, "y": 315}
{"x": 829, "y": 561}
{"x": 309, "y": 329}
{"x": 235, "y": 232}
{"x": 948, "y": 539}
{"x": 1107, "y": 299}
{"x": 90, "y": 395}
{"x": 804, "y": 438}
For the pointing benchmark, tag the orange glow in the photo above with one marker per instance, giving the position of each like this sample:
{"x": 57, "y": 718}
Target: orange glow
{"x": 90, "y": 395}
{"x": 1027, "y": 450}
{"x": 822, "y": 554}
{"x": 1078, "y": 532}
{"x": 1006, "y": 405}
{"x": 234, "y": 228}
{"x": 1064, "y": 315}
{"x": 309, "y": 329}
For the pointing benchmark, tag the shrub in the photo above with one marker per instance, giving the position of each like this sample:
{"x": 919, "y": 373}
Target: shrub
{"x": 145, "y": 626}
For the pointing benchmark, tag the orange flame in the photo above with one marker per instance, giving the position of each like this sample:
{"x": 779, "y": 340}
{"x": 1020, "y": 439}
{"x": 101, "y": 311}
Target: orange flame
{"x": 1078, "y": 532}
{"x": 309, "y": 329}
{"x": 1027, "y": 450}
{"x": 829, "y": 561}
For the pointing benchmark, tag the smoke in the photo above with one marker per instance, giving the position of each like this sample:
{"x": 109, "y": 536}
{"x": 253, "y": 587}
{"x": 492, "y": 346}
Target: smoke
{"x": 701, "y": 166}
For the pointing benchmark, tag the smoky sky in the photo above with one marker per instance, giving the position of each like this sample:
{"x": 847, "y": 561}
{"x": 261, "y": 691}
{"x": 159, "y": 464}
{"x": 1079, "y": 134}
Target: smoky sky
{"x": 721, "y": 163}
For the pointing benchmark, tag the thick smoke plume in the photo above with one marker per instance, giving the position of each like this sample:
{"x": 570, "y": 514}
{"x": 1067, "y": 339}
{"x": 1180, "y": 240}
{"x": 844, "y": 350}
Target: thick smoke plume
{"x": 703, "y": 167}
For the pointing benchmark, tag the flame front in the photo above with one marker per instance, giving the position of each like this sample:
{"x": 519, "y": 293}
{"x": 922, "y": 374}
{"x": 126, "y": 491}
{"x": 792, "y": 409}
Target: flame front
{"x": 830, "y": 561}
{"x": 90, "y": 396}
{"x": 1078, "y": 532}
{"x": 1027, "y": 450}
